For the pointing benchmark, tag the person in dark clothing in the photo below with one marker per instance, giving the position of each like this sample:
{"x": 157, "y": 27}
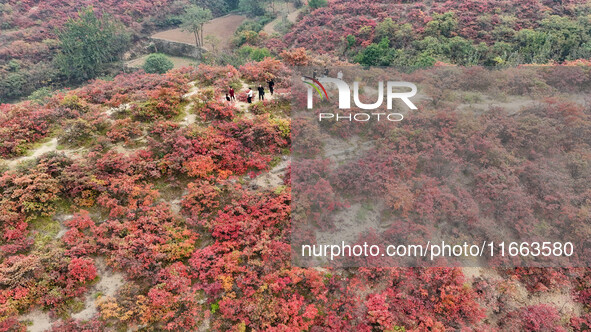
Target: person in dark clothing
{"x": 231, "y": 92}
{"x": 261, "y": 92}
{"x": 271, "y": 86}
{"x": 228, "y": 97}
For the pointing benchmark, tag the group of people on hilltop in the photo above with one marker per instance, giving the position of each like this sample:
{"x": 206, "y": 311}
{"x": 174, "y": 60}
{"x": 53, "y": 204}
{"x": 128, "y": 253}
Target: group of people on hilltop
{"x": 230, "y": 95}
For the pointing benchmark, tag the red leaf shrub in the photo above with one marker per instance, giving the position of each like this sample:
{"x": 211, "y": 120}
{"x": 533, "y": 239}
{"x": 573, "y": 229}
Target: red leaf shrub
{"x": 124, "y": 130}
{"x": 21, "y": 125}
{"x": 161, "y": 103}
{"x": 217, "y": 76}
{"x": 202, "y": 198}
{"x": 264, "y": 70}
{"x": 540, "y": 317}
{"x": 296, "y": 57}
{"x": 82, "y": 269}
{"x": 215, "y": 110}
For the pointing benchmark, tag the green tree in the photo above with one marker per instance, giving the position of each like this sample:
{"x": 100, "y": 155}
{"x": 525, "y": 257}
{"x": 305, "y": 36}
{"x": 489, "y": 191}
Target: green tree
{"x": 193, "y": 20}
{"x": 567, "y": 39}
{"x": 315, "y": 4}
{"x": 370, "y": 56}
{"x": 532, "y": 46}
{"x": 40, "y": 96}
{"x": 251, "y": 7}
{"x": 87, "y": 44}
{"x": 217, "y": 7}
{"x": 11, "y": 86}
{"x": 351, "y": 41}
{"x": 461, "y": 51}
{"x": 386, "y": 28}
{"x": 424, "y": 60}
{"x": 404, "y": 36}
{"x": 259, "y": 54}
{"x": 213, "y": 41}
{"x": 14, "y": 65}
{"x": 157, "y": 63}
{"x": 442, "y": 25}
{"x": 254, "y": 53}
{"x": 377, "y": 54}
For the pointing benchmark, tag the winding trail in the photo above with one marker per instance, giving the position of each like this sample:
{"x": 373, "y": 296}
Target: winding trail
{"x": 288, "y": 12}
{"x": 190, "y": 117}
{"x": 50, "y": 146}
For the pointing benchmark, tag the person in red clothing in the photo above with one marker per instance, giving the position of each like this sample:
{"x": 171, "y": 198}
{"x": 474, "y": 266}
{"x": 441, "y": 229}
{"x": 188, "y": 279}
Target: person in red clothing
{"x": 231, "y": 93}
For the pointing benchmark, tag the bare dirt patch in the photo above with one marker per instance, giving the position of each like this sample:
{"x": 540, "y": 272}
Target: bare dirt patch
{"x": 272, "y": 179}
{"x": 189, "y": 119}
{"x": 62, "y": 218}
{"x": 243, "y": 106}
{"x": 512, "y": 106}
{"x": 515, "y": 104}
{"x": 175, "y": 200}
{"x": 339, "y": 150}
{"x": 192, "y": 91}
{"x": 40, "y": 321}
{"x": 222, "y": 28}
{"x": 108, "y": 285}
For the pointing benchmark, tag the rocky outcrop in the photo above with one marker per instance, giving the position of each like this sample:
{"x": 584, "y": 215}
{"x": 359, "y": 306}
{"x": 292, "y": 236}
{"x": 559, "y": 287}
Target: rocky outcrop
{"x": 175, "y": 48}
